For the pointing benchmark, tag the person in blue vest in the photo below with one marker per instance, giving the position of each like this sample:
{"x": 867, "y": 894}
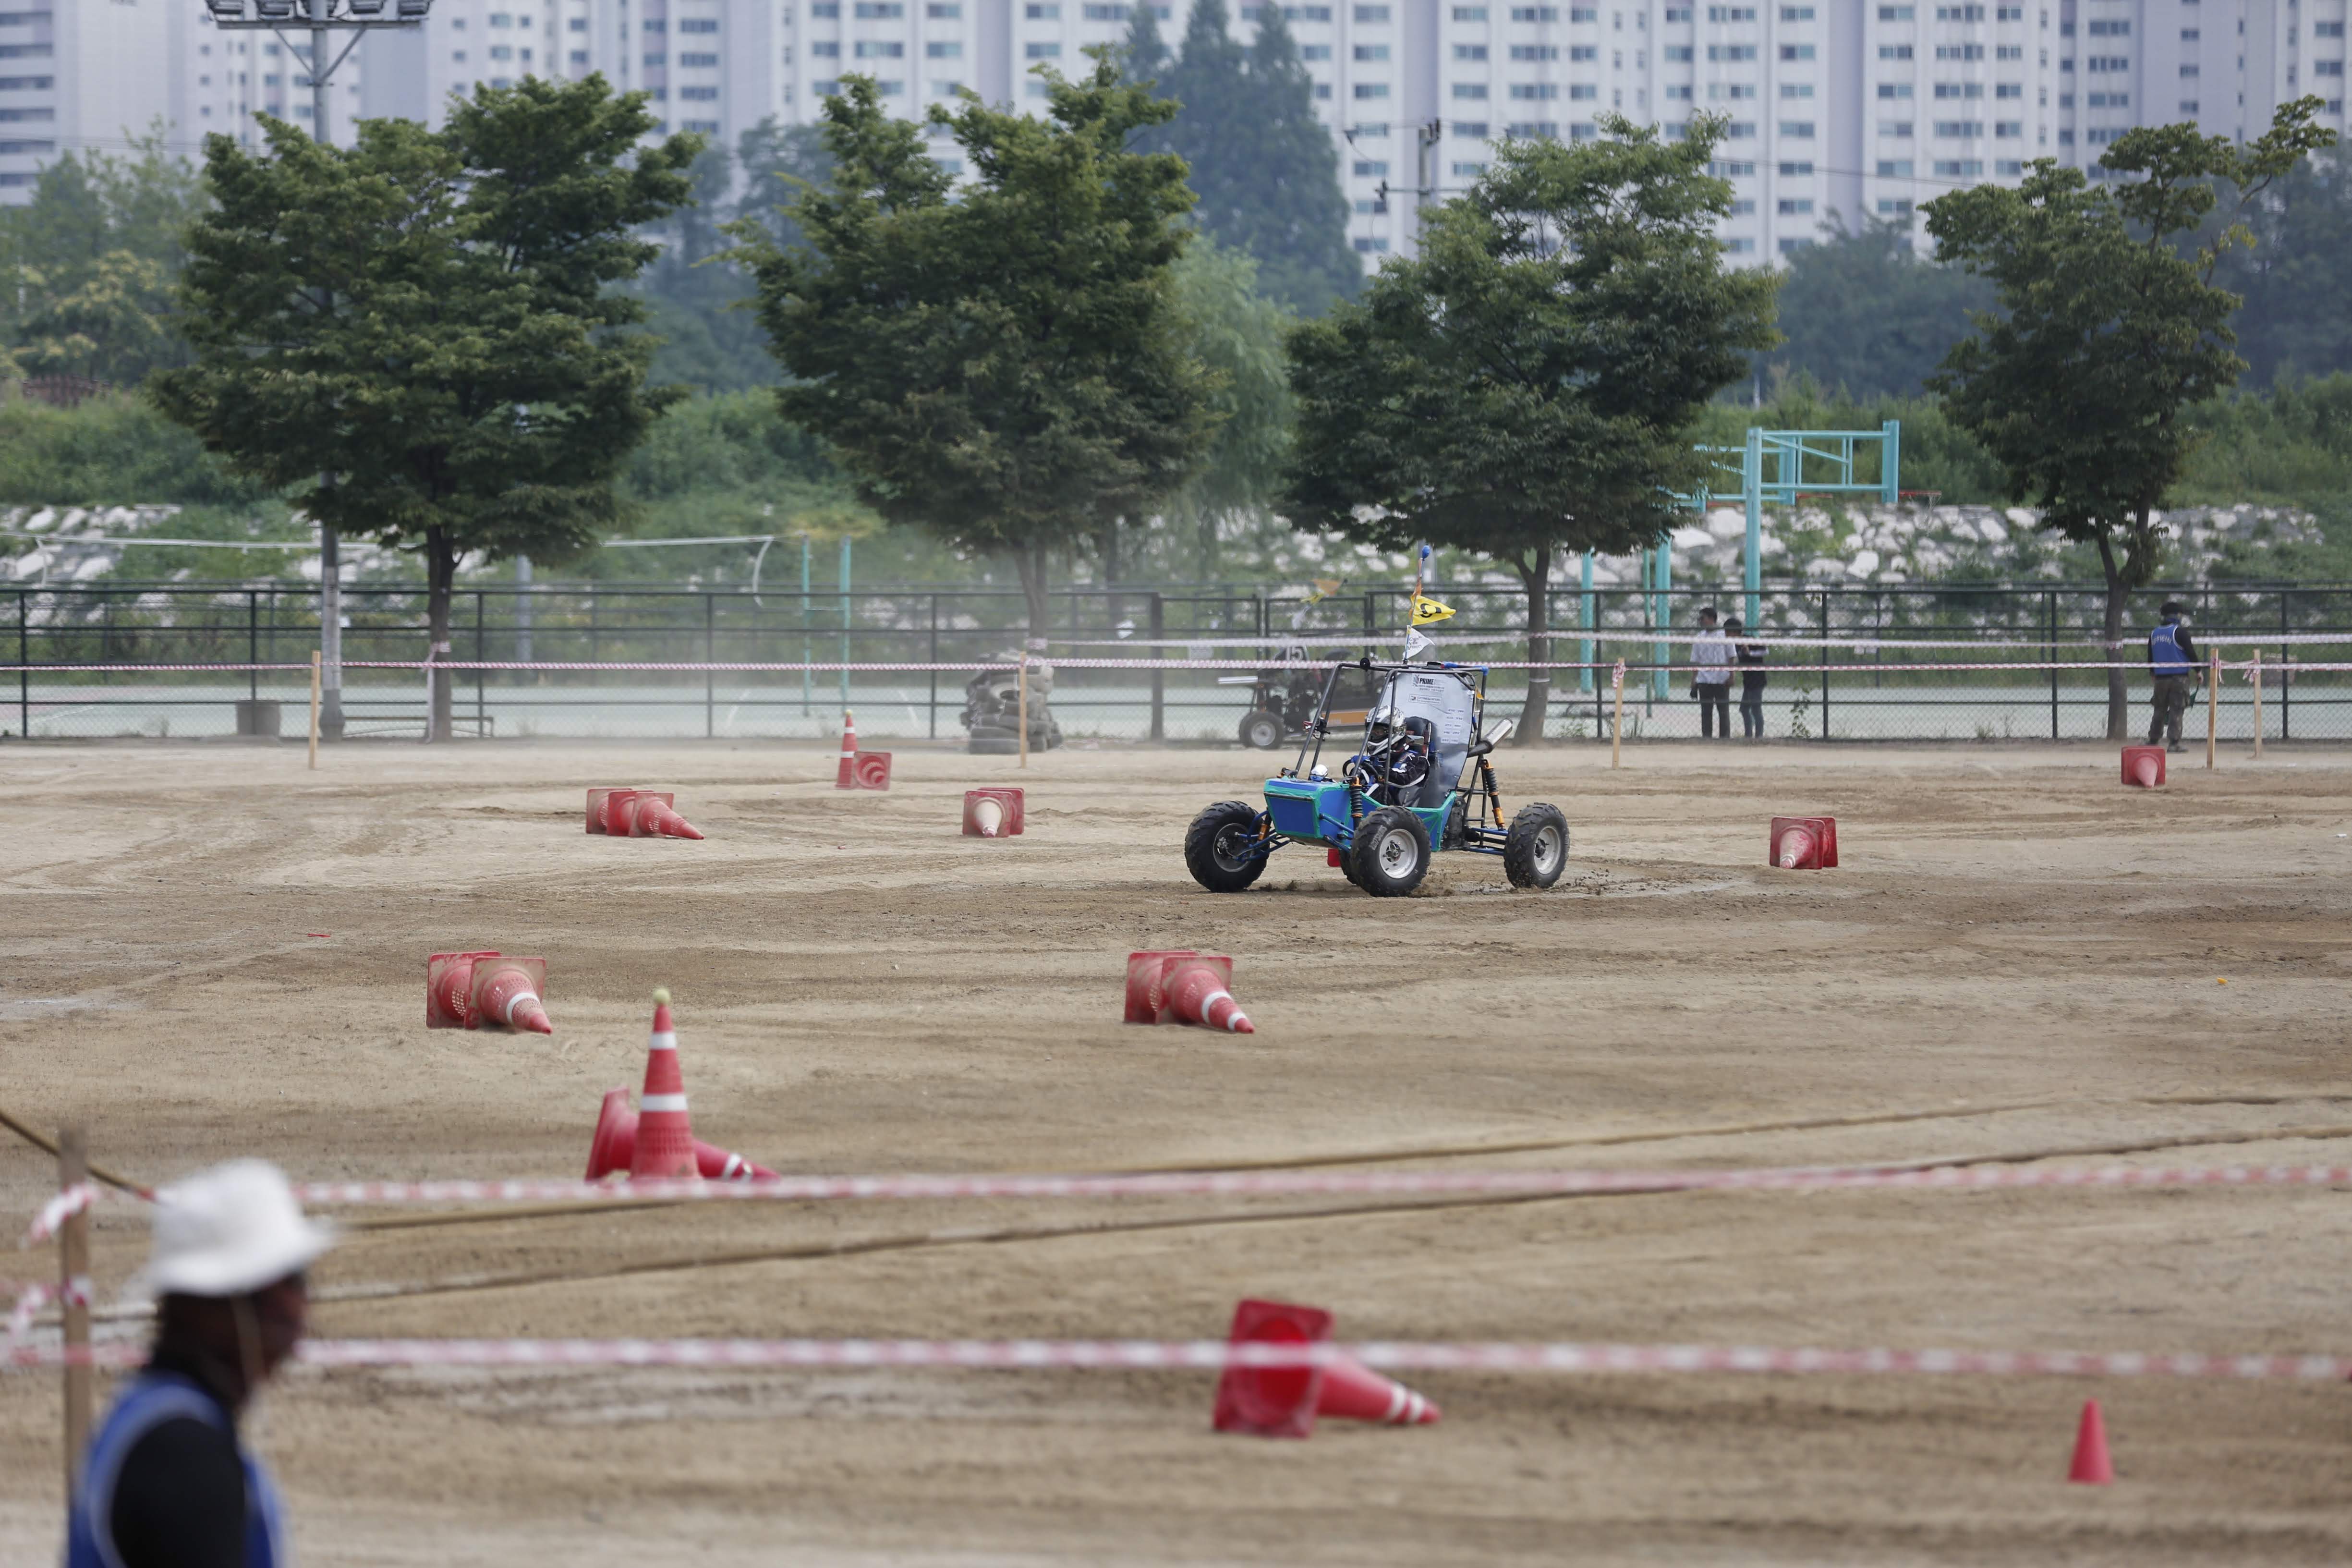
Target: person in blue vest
{"x": 166, "y": 1484}
{"x": 2172, "y": 660}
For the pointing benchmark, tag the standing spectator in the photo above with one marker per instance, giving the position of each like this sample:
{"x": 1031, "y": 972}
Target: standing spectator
{"x": 2172, "y": 660}
{"x": 1750, "y": 657}
{"x": 1712, "y": 684}
{"x": 166, "y": 1484}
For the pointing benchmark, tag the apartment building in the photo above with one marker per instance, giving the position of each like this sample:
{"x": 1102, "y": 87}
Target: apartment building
{"x": 78, "y": 75}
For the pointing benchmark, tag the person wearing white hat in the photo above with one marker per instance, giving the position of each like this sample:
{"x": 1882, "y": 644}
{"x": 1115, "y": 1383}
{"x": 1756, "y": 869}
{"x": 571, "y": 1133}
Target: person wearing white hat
{"x": 166, "y": 1484}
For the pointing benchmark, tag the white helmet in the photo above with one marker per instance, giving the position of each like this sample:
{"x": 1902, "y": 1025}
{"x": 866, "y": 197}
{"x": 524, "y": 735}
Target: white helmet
{"x": 229, "y": 1231}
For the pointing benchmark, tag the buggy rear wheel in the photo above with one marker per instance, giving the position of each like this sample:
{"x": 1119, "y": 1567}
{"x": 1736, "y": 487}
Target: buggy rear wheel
{"x": 1261, "y": 731}
{"x": 1535, "y": 850}
{"x": 1390, "y": 853}
{"x": 1218, "y": 847}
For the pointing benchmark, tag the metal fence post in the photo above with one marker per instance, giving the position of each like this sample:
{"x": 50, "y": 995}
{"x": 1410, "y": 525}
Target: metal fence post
{"x": 24, "y": 664}
{"x": 481, "y": 697}
{"x": 709, "y": 657}
{"x": 1825, "y": 664}
{"x": 1159, "y": 676}
{"x": 2286, "y": 668}
{"x": 252, "y": 644}
{"x": 2053, "y": 656}
{"x": 935, "y": 667}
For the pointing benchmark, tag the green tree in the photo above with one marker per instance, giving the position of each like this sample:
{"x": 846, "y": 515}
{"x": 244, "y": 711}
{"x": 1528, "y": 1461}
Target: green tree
{"x": 87, "y": 266}
{"x": 2297, "y": 317}
{"x": 1528, "y": 382}
{"x": 2112, "y": 331}
{"x": 697, "y": 301}
{"x": 432, "y": 318}
{"x": 1001, "y": 364}
{"x": 1237, "y": 332}
{"x": 1266, "y": 168}
{"x": 1861, "y": 313}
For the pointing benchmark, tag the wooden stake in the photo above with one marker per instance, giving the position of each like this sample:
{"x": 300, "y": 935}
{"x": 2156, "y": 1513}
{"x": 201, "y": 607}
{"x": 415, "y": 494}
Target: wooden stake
{"x": 1024, "y": 705}
{"x": 1617, "y": 727}
{"x": 2258, "y": 704}
{"x": 2212, "y": 705}
{"x": 73, "y": 1287}
{"x": 314, "y": 710}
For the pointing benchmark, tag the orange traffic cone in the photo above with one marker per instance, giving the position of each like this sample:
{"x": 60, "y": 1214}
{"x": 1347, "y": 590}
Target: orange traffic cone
{"x": 1803, "y": 843}
{"x": 506, "y": 991}
{"x": 1284, "y": 1402}
{"x": 847, "y": 776}
{"x": 991, "y": 813}
{"x": 637, "y": 814}
{"x": 870, "y": 770}
{"x": 450, "y": 990}
{"x": 665, "y": 1134}
{"x": 1147, "y": 1001}
{"x": 1199, "y": 992}
{"x": 2144, "y": 766}
{"x": 2092, "y": 1467}
{"x": 615, "y": 1144}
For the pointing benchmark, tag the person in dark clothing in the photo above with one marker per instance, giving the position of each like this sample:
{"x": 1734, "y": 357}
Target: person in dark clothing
{"x": 1711, "y": 679}
{"x": 1750, "y": 657}
{"x": 2172, "y": 660}
{"x": 166, "y": 1484}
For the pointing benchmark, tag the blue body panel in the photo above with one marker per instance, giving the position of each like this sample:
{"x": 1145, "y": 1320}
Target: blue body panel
{"x": 1315, "y": 811}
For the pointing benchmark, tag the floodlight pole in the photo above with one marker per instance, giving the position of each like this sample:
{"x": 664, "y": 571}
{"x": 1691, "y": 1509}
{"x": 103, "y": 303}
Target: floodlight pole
{"x": 358, "y": 18}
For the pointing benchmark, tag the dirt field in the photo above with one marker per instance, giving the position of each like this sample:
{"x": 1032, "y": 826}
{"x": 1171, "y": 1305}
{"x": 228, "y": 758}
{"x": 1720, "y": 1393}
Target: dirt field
{"x": 2015, "y": 944}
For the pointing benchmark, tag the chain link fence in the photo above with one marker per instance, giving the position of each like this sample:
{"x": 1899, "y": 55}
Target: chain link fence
{"x": 109, "y": 638}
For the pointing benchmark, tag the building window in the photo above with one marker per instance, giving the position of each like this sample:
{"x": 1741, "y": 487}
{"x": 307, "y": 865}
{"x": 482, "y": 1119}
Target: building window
{"x": 1371, "y": 90}
{"x": 1960, "y": 129}
{"x": 1534, "y": 129}
{"x": 880, "y": 10}
{"x": 1740, "y": 246}
{"x": 952, "y": 50}
{"x": 1033, "y": 51}
{"x": 1731, "y": 51}
{"x": 1898, "y": 128}
{"x": 1371, "y": 51}
{"x": 1049, "y": 12}
{"x": 1894, "y": 206}
{"x": 1468, "y": 129}
{"x": 1797, "y": 130}
{"x": 1894, "y": 168}
{"x": 1524, "y": 52}
{"x": 1371, "y": 13}
{"x": 1790, "y": 246}
{"x": 1469, "y": 170}
{"x": 707, "y": 127}
{"x": 944, "y": 10}
{"x": 1526, "y": 90}
{"x": 1893, "y": 90}
{"x": 698, "y": 62}
{"x": 1469, "y": 13}
{"x": 1796, "y": 206}
{"x": 1469, "y": 51}
{"x": 2189, "y": 107}
{"x": 867, "y": 49}
{"x": 1960, "y": 168}
{"x": 698, "y": 24}
{"x": 825, "y": 49}
{"x": 1795, "y": 170}
{"x": 1893, "y": 51}
{"x": 1796, "y": 51}
{"x": 699, "y": 94}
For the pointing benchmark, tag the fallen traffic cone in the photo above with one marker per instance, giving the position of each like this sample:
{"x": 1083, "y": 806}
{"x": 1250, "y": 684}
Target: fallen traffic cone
{"x": 2092, "y": 1467}
{"x": 450, "y": 990}
{"x": 615, "y": 1146}
{"x": 665, "y": 1134}
{"x": 846, "y": 777}
{"x": 1803, "y": 843}
{"x": 1146, "y": 999}
{"x": 507, "y": 991}
{"x": 991, "y": 813}
{"x": 1284, "y": 1401}
{"x": 637, "y": 814}
{"x": 1199, "y": 990}
{"x": 870, "y": 770}
{"x": 2144, "y": 766}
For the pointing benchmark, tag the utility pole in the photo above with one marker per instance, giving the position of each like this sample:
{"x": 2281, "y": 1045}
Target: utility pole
{"x": 358, "y": 18}
{"x": 1425, "y": 138}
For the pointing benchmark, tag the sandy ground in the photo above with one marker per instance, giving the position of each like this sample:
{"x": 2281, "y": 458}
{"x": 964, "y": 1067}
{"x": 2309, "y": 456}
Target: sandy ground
{"x": 2014, "y": 943}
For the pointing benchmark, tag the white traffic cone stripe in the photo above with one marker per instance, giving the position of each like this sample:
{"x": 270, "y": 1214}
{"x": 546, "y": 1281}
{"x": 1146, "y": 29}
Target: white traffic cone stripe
{"x": 736, "y": 1169}
{"x": 653, "y": 1103}
{"x": 516, "y": 1001}
{"x": 1399, "y": 1404}
{"x": 1210, "y": 1002}
{"x": 662, "y": 1042}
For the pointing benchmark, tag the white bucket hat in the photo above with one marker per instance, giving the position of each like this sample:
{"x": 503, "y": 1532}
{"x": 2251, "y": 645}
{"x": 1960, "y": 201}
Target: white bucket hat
{"x": 228, "y": 1231}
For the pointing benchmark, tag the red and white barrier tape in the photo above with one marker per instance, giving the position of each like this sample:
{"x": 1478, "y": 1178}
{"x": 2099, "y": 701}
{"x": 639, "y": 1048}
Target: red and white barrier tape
{"x": 1260, "y": 1184}
{"x": 71, "y": 1201}
{"x": 1210, "y": 1356}
{"x": 2242, "y": 666}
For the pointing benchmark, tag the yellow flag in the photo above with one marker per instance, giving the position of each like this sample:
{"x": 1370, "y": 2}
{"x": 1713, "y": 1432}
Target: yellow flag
{"x": 1428, "y": 612}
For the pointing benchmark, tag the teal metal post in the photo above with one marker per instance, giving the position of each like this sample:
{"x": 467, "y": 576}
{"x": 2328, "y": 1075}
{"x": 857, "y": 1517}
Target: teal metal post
{"x": 1661, "y": 652}
{"x": 1584, "y": 676}
{"x": 1890, "y": 458}
{"x": 1751, "y": 491}
{"x": 845, "y": 620}
{"x": 808, "y": 649}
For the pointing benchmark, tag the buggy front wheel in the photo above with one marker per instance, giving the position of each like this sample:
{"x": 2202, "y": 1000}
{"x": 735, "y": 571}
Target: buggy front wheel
{"x": 1391, "y": 852}
{"x": 1535, "y": 850}
{"x": 1222, "y": 847}
{"x": 1261, "y": 731}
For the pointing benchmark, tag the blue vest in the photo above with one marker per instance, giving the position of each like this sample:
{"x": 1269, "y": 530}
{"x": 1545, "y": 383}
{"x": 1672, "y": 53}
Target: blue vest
{"x": 2164, "y": 651}
{"x": 153, "y": 1398}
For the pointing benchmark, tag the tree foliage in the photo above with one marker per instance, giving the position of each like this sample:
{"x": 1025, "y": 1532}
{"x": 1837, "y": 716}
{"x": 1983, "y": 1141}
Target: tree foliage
{"x": 2297, "y": 316}
{"x": 1862, "y": 314}
{"x": 2111, "y": 332}
{"x": 87, "y": 266}
{"x": 1001, "y": 363}
{"x": 1527, "y": 382}
{"x": 430, "y": 318}
{"x": 1264, "y": 166}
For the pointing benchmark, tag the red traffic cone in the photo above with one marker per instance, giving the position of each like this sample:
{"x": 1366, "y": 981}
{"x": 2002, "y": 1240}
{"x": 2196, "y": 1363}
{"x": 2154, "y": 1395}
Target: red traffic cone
{"x": 506, "y": 991}
{"x": 846, "y": 777}
{"x": 1199, "y": 991}
{"x": 450, "y": 990}
{"x": 637, "y": 814}
{"x": 615, "y": 1143}
{"x": 665, "y": 1140}
{"x": 991, "y": 813}
{"x": 1284, "y": 1401}
{"x": 1146, "y": 999}
{"x": 1803, "y": 843}
{"x": 870, "y": 770}
{"x": 2144, "y": 766}
{"x": 2092, "y": 1467}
